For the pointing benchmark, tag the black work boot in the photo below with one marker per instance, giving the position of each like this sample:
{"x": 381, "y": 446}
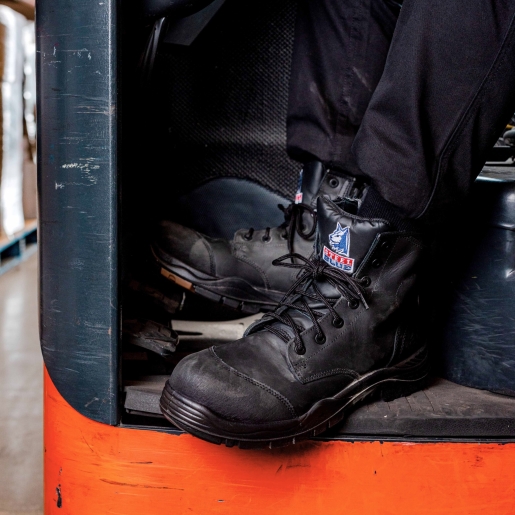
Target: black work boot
{"x": 239, "y": 273}
{"x": 348, "y": 328}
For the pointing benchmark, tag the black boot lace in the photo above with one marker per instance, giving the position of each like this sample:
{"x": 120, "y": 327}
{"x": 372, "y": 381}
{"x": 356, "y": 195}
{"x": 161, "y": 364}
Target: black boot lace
{"x": 306, "y": 287}
{"x": 292, "y": 223}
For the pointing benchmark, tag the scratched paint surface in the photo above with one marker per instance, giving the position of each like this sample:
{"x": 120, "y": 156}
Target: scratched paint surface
{"x": 77, "y": 149}
{"x": 91, "y": 468}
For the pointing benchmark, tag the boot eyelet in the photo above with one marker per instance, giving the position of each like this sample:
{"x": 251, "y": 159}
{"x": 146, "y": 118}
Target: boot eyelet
{"x": 248, "y": 235}
{"x": 354, "y": 304}
{"x": 300, "y": 351}
{"x": 284, "y": 236}
{"x": 377, "y": 263}
{"x": 265, "y": 239}
{"x": 320, "y": 338}
{"x": 366, "y": 281}
{"x": 338, "y": 322}
{"x": 385, "y": 245}
{"x": 333, "y": 182}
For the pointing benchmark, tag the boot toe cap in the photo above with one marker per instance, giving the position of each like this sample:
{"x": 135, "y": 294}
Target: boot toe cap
{"x": 205, "y": 379}
{"x": 174, "y": 241}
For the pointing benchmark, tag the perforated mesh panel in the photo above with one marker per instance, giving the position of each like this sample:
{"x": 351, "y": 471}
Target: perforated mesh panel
{"x": 225, "y": 98}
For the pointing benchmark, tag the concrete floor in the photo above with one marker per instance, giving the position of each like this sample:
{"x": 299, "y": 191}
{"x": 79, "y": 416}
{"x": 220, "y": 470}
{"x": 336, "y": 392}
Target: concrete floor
{"x": 21, "y": 393}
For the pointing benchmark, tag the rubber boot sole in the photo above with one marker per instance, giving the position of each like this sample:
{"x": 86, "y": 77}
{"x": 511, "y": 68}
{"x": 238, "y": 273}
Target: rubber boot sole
{"x": 389, "y": 383}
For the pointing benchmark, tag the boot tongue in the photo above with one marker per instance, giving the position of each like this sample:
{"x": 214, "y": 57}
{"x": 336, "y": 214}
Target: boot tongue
{"x": 310, "y": 178}
{"x": 343, "y": 240}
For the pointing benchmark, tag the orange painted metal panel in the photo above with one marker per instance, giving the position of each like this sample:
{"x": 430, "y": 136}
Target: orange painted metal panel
{"x": 94, "y": 469}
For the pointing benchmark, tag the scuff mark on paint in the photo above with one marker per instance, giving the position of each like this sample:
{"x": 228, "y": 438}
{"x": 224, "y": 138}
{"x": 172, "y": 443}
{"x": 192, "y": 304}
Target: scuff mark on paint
{"x": 59, "y": 498}
{"x": 140, "y": 486}
{"x": 91, "y": 401}
{"x": 85, "y": 168}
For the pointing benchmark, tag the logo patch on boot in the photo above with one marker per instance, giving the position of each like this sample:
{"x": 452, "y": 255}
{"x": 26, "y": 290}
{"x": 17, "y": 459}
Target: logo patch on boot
{"x": 339, "y": 240}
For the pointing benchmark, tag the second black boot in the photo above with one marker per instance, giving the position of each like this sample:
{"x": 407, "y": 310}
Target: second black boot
{"x": 348, "y": 328}
{"x": 239, "y": 273}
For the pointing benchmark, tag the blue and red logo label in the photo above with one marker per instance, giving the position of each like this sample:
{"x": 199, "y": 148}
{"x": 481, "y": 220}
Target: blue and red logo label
{"x": 338, "y": 257}
{"x": 344, "y": 263}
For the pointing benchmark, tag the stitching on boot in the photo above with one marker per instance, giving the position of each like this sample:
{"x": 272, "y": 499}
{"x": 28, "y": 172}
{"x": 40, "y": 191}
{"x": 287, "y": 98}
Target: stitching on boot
{"x": 397, "y": 290}
{"x": 333, "y": 372}
{"x": 378, "y": 282}
{"x": 256, "y": 267}
{"x": 396, "y": 344}
{"x": 211, "y": 257}
{"x": 264, "y": 387}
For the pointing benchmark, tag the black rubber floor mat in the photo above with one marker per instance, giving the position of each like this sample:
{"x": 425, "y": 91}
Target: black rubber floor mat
{"x": 442, "y": 410}
{"x": 142, "y": 397}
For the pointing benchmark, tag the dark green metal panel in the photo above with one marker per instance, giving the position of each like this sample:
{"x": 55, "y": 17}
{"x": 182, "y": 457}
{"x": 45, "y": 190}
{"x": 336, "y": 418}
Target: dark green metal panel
{"x": 77, "y": 156}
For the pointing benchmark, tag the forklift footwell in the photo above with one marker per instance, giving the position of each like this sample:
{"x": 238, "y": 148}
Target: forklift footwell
{"x": 442, "y": 410}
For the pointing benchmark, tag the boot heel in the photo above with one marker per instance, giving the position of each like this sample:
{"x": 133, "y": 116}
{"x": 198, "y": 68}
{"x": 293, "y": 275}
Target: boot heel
{"x": 397, "y": 388}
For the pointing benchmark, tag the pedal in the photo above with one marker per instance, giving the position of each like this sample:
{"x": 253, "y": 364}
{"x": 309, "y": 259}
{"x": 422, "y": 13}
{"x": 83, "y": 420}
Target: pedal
{"x": 151, "y": 336}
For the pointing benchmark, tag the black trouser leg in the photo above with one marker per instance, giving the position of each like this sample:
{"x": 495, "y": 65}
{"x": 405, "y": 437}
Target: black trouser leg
{"x": 446, "y": 92}
{"x": 339, "y": 55}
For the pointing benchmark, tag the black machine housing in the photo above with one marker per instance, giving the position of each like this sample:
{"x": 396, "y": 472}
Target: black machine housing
{"x": 148, "y": 112}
